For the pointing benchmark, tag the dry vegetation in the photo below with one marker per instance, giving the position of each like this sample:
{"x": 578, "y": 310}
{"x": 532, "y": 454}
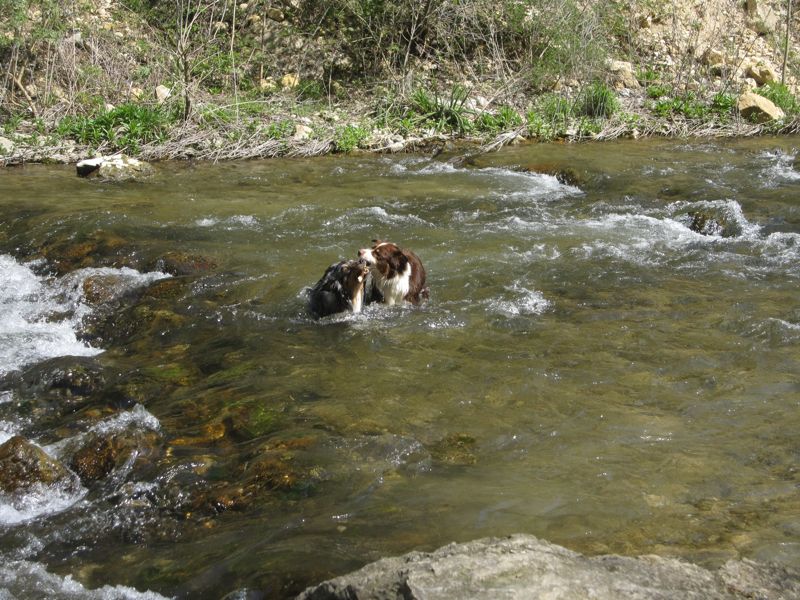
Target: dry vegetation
{"x": 267, "y": 77}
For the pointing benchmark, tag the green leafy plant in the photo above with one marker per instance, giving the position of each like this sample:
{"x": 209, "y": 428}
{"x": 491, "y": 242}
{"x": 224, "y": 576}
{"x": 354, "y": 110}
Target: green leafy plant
{"x": 310, "y": 90}
{"x": 124, "y": 128}
{"x": 686, "y": 105}
{"x": 657, "y": 91}
{"x": 647, "y": 77}
{"x": 723, "y": 104}
{"x": 556, "y": 108}
{"x": 780, "y": 96}
{"x": 349, "y": 137}
{"x": 504, "y": 119}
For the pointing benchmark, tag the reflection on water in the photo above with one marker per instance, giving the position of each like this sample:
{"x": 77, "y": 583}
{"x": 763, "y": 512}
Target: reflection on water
{"x": 610, "y": 364}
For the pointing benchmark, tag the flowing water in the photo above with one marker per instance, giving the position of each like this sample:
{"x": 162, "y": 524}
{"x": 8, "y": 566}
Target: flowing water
{"x": 611, "y": 363}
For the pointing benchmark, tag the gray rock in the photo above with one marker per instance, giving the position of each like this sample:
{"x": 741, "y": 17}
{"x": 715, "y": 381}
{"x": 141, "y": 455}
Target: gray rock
{"x": 6, "y": 146}
{"x": 115, "y": 168}
{"x": 524, "y": 567}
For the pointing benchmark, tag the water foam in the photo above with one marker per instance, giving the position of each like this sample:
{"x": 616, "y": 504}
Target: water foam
{"x": 231, "y": 223}
{"x": 526, "y": 302}
{"x": 781, "y": 168}
{"x": 71, "y": 286}
{"x": 649, "y": 239}
{"x": 28, "y": 579}
{"x": 41, "y": 316}
{"x": 365, "y": 218}
{"x": 510, "y": 183}
{"x": 732, "y": 221}
{"x": 38, "y": 500}
{"x": 7, "y": 431}
{"x": 30, "y": 331}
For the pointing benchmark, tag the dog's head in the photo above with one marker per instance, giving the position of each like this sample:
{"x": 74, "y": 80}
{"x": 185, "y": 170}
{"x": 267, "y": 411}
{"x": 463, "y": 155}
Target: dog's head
{"x": 354, "y": 274}
{"x": 382, "y": 253}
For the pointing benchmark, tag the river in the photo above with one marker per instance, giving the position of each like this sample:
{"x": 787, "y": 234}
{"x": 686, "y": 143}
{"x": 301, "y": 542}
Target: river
{"x": 609, "y": 359}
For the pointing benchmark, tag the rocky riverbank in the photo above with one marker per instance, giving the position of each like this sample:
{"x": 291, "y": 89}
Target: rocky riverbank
{"x": 682, "y": 68}
{"x": 522, "y": 566}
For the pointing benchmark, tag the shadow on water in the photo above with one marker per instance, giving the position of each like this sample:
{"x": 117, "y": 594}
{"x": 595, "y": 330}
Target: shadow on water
{"x": 608, "y": 360}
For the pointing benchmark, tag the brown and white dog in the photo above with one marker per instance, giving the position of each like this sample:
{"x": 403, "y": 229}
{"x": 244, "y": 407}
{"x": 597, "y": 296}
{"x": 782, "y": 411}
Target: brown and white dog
{"x": 398, "y": 274}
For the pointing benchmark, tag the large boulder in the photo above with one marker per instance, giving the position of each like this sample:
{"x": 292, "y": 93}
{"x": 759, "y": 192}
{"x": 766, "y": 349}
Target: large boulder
{"x": 759, "y": 72}
{"x": 622, "y": 75}
{"x": 521, "y": 566}
{"x": 24, "y": 465}
{"x": 758, "y": 109}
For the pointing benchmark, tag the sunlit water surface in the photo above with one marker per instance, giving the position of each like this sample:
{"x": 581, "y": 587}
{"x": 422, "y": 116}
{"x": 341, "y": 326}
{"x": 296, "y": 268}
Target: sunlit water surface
{"x": 589, "y": 369}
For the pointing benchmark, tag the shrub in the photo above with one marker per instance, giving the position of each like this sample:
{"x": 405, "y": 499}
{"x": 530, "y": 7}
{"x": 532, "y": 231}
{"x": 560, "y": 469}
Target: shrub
{"x": 658, "y": 91}
{"x": 687, "y": 106}
{"x": 280, "y": 130}
{"x": 310, "y": 90}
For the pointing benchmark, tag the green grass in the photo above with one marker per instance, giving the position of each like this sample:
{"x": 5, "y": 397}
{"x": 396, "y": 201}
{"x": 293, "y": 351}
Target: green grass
{"x": 597, "y": 100}
{"x": 443, "y": 113}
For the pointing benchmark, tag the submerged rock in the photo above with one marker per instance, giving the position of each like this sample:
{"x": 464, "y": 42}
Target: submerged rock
{"x": 99, "y": 248}
{"x": 522, "y": 566}
{"x": 564, "y": 174}
{"x": 455, "y": 449}
{"x": 63, "y": 377}
{"x": 24, "y": 465}
{"x": 712, "y": 223}
{"x": 182, "y": 263}
{"x": 102, "y": 453}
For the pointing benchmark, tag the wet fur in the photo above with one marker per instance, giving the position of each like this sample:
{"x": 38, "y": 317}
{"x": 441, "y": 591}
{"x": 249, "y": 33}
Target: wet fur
{"x": 341, "y": 288}
{"x": 398, "y": 273}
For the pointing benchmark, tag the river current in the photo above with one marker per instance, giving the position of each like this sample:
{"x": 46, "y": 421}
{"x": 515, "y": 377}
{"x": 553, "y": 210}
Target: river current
{"x": 609, "y": 359}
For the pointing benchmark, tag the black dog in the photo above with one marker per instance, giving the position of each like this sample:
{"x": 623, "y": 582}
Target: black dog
{"x": 346, "y": 285}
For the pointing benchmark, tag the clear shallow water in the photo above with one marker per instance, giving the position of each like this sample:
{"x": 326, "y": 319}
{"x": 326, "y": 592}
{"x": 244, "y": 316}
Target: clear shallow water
{"x": 589, "y": 369}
